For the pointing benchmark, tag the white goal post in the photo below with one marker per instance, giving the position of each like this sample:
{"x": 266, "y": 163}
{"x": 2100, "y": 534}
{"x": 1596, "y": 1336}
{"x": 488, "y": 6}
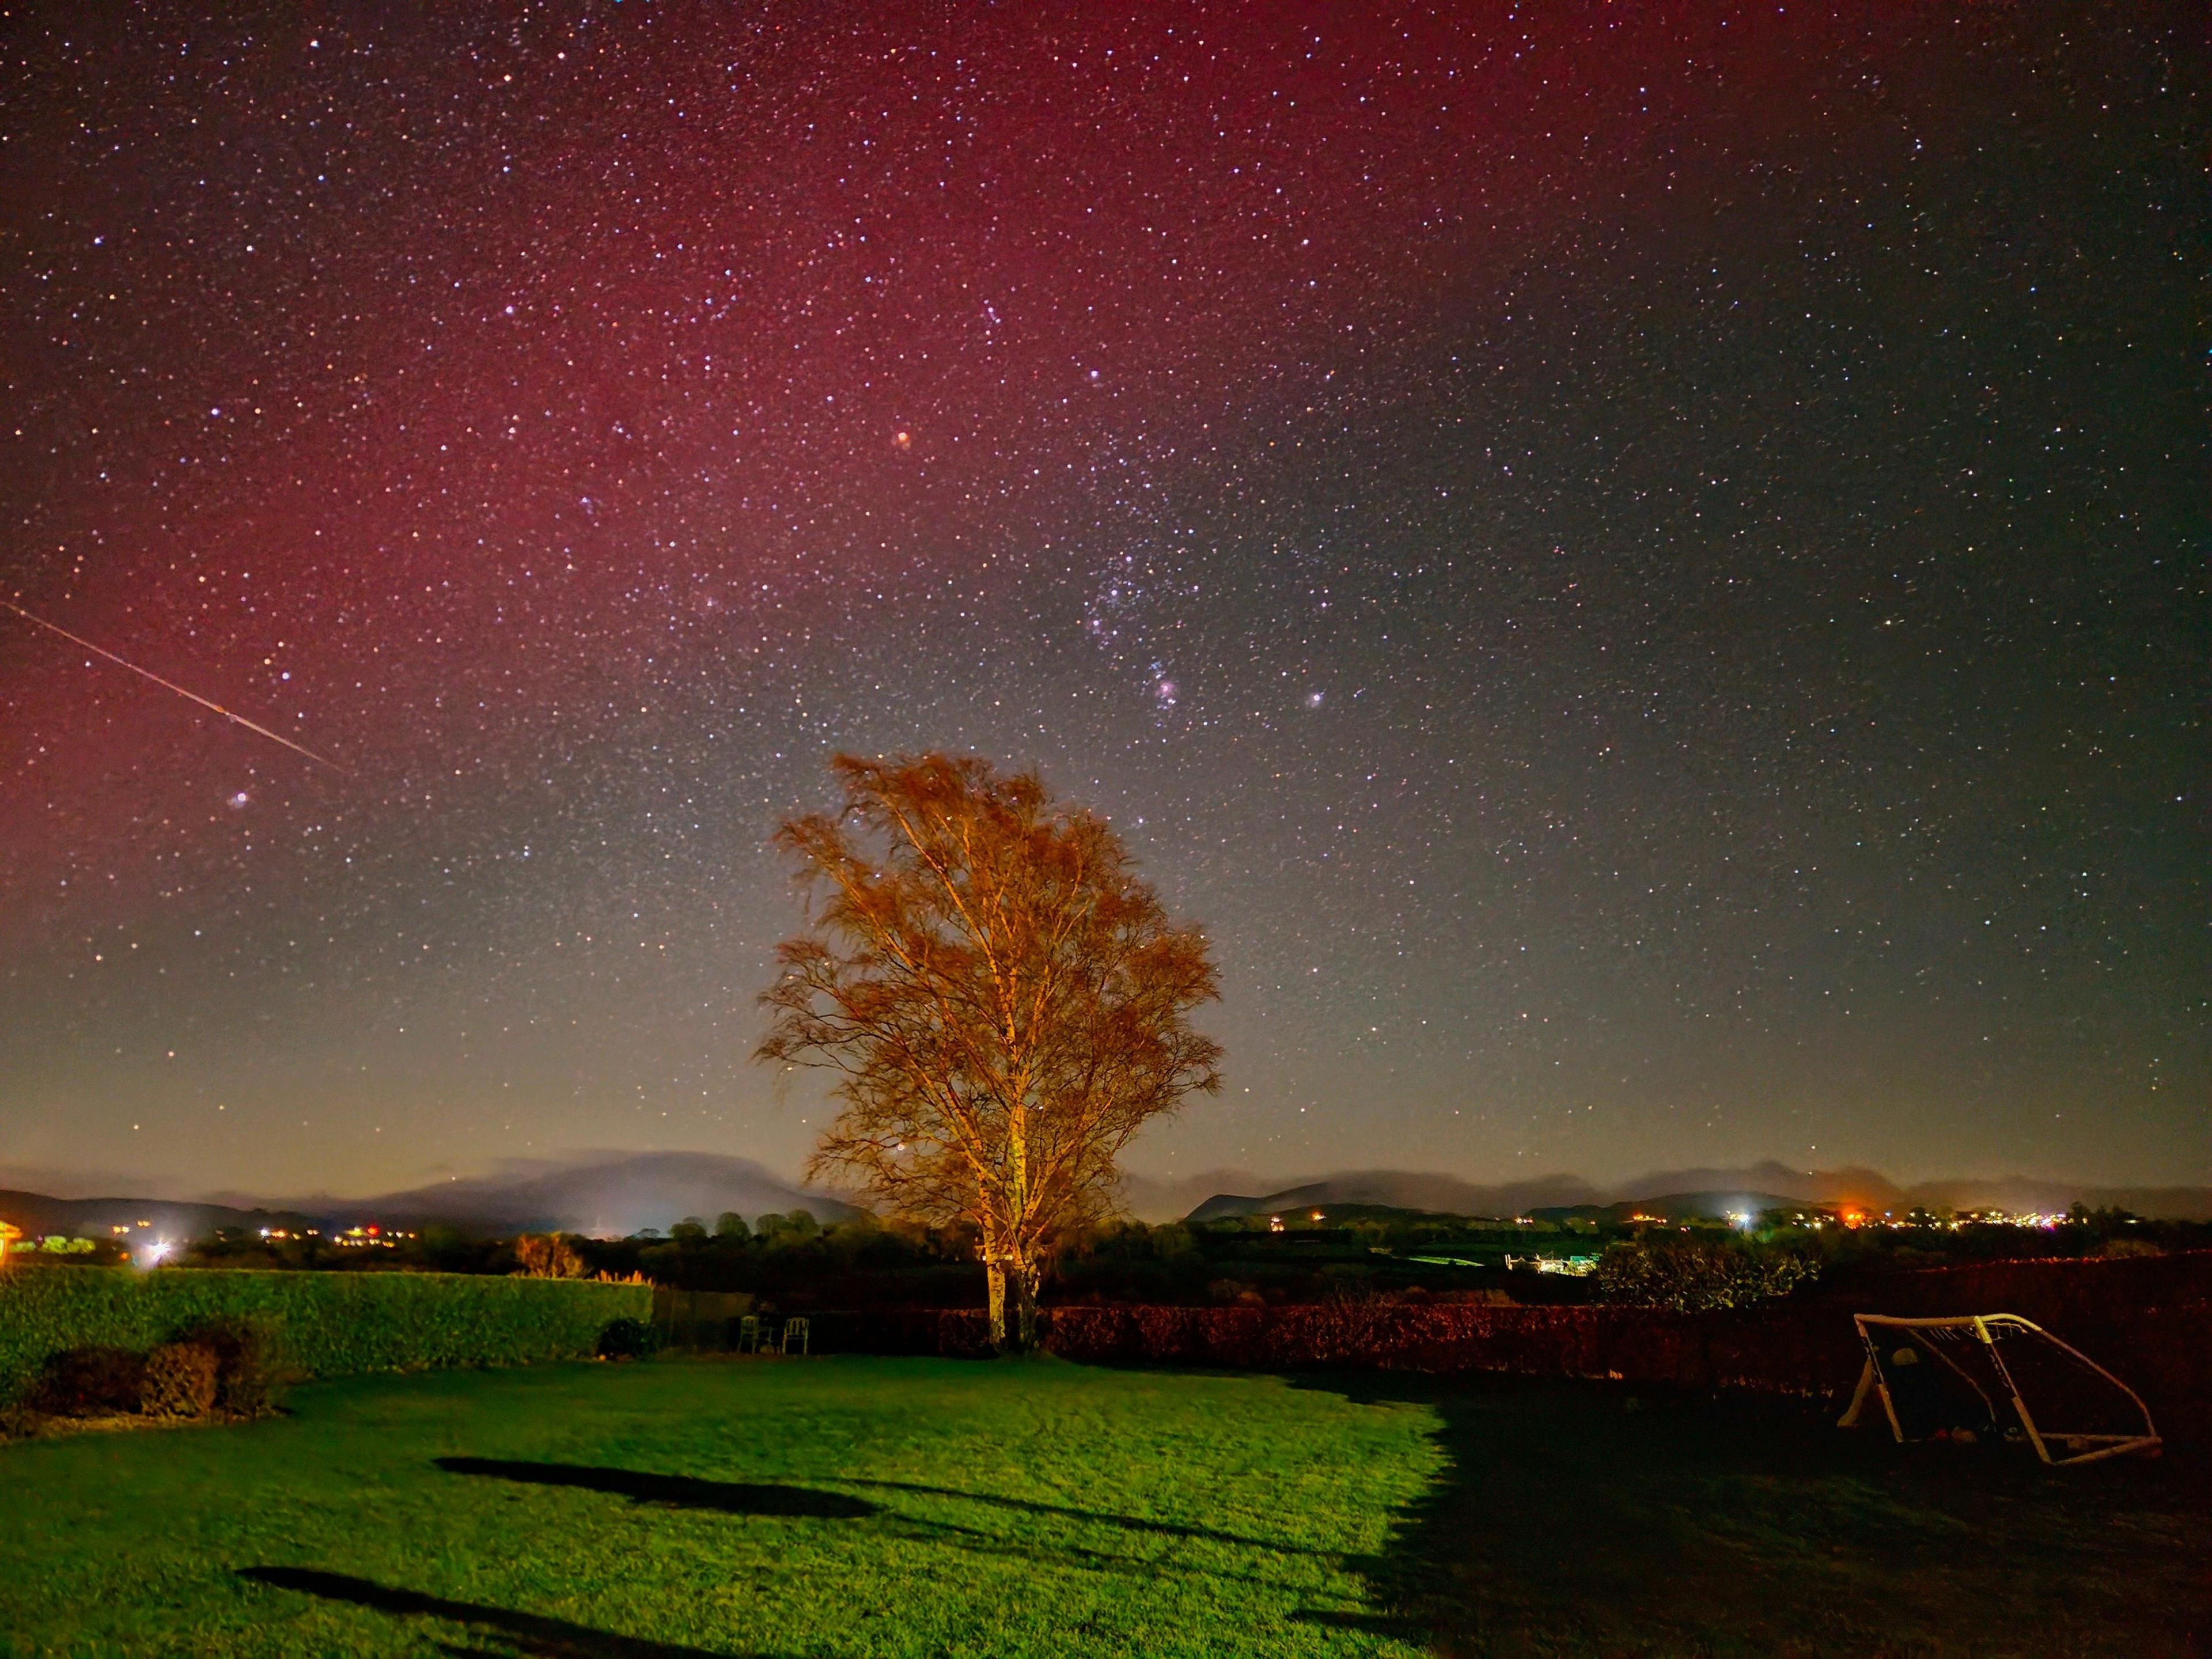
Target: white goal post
{"x": 1969, "y": 1349}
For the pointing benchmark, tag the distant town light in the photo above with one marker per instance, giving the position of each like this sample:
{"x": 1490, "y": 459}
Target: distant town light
{"x": 369, "y": 1237}
{"x": 1574, "y": 1266}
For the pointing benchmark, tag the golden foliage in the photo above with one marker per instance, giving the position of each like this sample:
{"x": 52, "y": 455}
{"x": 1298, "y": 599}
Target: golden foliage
{"x": 1004, "y": 1003}
{"x": 547, "y": 1256}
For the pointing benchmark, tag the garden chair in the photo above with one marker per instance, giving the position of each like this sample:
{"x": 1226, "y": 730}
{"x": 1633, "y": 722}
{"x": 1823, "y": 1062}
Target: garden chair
{"x": 795, "y": 1331}
{"x": 749, "y": 1334}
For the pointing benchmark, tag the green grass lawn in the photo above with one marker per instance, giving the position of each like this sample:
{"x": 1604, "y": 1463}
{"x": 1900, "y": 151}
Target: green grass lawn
{"x": 852, "y": 1506}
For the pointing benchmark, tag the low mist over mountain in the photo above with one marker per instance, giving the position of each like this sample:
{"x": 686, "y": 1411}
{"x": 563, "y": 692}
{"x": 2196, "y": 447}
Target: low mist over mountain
{"x": 613, "y": 1194}
{"x": 608, "y": 1194}
{"x": 1239, "y": 1192}
{"x": 605, "y": 1194}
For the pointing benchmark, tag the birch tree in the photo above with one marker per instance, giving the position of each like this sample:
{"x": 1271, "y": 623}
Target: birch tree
{"x": 1003, "y": 1002}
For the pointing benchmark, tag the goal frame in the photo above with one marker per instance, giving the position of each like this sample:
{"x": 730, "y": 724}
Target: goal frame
{"x": 1985, "y": 1328}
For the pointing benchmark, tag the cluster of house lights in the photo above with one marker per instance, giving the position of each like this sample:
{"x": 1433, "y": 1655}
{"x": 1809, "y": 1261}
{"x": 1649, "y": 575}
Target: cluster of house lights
{"x": 2043, "y": 1220}
{"x": 370, "y": 1238}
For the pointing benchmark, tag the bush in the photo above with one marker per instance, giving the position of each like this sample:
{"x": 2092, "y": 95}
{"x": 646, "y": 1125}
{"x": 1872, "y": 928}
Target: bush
{"x": 547, "y": 1256}
{"x": 179, "y": 1381}
{"x": 314, "y": 1324}
{"x": 1695, "y": 1277}
{"x": 629, "y": 1339}
{"x": 2119, "y": 1249}
{"x": 96, "y": 1380}
{"x": 247, "y": 1374}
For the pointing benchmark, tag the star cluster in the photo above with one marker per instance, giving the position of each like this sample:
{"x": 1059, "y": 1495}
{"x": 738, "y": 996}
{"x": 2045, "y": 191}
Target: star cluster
{"x": 1641, "y": 568}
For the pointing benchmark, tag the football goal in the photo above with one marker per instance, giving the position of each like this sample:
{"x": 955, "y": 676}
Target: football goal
{"x": 1996, "y": 1376}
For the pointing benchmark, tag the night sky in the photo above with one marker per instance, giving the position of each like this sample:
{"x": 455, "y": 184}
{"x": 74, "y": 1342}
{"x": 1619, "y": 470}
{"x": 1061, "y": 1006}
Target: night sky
{"x": 1643, "y": 569}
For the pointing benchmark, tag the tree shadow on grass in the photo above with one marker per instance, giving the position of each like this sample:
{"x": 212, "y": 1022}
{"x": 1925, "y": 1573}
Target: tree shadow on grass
{"x": 1584, "y": 1518}
{"x": 1059, "y": 1554}
{"x": 1097, "y": 1517}
{"x": 677, "y": 1491}
{"x": 527, "y": 1634}
{"x": 732, "y": 1498}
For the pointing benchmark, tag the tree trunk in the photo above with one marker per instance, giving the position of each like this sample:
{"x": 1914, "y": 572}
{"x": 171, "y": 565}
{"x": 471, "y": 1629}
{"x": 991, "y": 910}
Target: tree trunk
{"x": 1026, "y": 1337}
{"x": 995, "y": 1272}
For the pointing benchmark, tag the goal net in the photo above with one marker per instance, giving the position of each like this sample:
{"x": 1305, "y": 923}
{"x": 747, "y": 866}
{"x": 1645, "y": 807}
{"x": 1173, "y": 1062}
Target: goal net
{"x": 1996, "y": 1377}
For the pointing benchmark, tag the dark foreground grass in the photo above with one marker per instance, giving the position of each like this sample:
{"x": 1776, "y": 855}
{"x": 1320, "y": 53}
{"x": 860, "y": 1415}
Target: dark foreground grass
{"x": 880, "y": 1507}
{"x": 1583, "y": 1520}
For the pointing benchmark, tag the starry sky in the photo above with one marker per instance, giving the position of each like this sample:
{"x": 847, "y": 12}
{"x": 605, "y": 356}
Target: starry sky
{"x": 1641, "y": 568}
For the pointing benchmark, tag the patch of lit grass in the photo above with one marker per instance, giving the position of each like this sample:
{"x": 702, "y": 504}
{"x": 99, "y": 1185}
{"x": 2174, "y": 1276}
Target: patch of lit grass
{"x": 842, "y": 1506}
{"x": 865, "y": 1507}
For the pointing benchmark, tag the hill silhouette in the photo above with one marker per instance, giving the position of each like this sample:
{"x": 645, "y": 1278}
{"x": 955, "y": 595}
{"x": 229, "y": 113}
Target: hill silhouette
{"x": 599, "y": 1192}
{"x": 607, "y": 1194}
{"x": 139, "y": 1218}
{"x": 1199, "y": 1197}
{"x": 616, "y": 1193}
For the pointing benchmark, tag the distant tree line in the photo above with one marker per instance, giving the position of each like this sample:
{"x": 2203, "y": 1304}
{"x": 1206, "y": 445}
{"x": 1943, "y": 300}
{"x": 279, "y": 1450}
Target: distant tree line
{"x": 793, "y": 1261}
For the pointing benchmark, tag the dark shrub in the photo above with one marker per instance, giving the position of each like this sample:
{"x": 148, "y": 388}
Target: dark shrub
{"x": 2122, "y": 1248}
{"x": 629, "y": 1339}
{"x": 327, "y": 1324}
{"x": 1692, "y": 1276}
{"x": 179, "y": 1381}
{"x": 248, "y": 1377}
{"x": 91, "y": 1382}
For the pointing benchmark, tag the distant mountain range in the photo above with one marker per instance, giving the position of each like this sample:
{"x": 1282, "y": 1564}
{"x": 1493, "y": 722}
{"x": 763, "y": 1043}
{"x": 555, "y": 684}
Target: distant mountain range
{"x": 1724, "y": 1206}
{"x": 605, "y": 1193}
{"x": 608, "y": 1194}
{"x": 614, "y": 1193}
{"x": 1240, "y": 1193}
{"x": 139, "y": 1218}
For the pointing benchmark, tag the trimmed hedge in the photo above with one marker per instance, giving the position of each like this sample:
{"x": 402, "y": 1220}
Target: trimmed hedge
{"x": 324, "y": 1324}
{"x": 2148, "y": 1319}
{"x": 1741, "y": 1348}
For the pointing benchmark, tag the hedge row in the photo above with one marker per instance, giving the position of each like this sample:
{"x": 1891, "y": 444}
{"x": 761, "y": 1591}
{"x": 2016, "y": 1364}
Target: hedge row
{"x": 2149, "y": 1321}
{"x": 2054, "y": 1291}
{"x": 1740, "y": 1349}
{"x": 325, "y": 1324}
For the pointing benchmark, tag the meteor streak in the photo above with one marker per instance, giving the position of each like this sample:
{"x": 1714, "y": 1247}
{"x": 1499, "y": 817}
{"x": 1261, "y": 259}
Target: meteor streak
{"x": 171, "y": 685}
